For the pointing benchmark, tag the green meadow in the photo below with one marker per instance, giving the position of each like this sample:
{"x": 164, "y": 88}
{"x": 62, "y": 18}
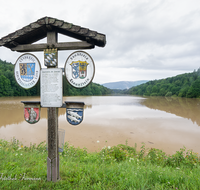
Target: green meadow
{"x": 118, "y": 167}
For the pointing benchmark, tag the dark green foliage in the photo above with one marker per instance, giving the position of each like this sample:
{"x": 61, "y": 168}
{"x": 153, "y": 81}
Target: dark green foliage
{"x": 9, "y": 87}
{"x": 194, "y": 90}
{"x": 92, "y": 89}
{"x": 184, "y": 85}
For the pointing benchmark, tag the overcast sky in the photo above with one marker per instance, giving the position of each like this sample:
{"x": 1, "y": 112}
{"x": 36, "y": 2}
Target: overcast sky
{"x": 146, "y": 39}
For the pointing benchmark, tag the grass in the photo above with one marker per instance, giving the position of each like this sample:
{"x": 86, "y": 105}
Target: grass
{"x": 118, "y": 167}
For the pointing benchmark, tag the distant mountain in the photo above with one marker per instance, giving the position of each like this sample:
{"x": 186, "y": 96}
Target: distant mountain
{"x": 183, "y": 85}
{"x": 123, "y": 84}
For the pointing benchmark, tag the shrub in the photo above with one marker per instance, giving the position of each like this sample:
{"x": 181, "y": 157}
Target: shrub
{"x": 168, "y": 94}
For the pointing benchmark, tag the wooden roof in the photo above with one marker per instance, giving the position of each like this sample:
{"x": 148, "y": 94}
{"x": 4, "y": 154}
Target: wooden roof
{"x": 38, "y": 30}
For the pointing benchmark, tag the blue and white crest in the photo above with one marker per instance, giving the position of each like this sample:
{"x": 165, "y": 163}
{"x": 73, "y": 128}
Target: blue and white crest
{"x": 74, "y": 115}
{"x": 79, "y": 69}
{"x": 27, "y": 71}
{"x": 75, "y": 70}
{"x": 50, "y": 57}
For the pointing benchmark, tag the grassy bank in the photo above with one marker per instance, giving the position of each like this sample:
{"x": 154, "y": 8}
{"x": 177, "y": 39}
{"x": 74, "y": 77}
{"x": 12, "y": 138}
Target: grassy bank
{"x": 119, "y": 167}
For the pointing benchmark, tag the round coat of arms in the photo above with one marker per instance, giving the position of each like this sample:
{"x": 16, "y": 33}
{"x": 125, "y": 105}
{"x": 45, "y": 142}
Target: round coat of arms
{"x": 79, "y": 69}
{"x": 27, "y": 70}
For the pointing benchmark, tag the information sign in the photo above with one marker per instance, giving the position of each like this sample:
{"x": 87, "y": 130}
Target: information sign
{"x": 79, "y": 69}
{"x": 51, "y": 87}
{"x": 27, "y": 70}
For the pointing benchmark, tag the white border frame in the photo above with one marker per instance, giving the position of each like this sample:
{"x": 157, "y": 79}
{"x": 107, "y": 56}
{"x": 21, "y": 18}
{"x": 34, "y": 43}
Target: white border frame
{"x": 34, "y": 81}
{"x": 68, "y": 71}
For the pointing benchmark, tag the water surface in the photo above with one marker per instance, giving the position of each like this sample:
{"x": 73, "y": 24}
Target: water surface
{"x": 159, "y": 122}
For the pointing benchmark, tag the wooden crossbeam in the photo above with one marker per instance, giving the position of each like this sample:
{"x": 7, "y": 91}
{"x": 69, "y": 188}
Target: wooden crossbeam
{"x": 59, "y": 46}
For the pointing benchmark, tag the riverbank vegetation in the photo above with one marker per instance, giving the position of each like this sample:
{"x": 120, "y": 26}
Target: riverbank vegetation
{"x": 118, "y": 167}
{"x": 9, "y": 86}
{"x": 184, "y": 85}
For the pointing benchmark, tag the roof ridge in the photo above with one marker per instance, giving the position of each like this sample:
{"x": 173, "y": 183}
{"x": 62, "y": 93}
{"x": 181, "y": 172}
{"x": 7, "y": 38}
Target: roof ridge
{"x": 38, "y": 30}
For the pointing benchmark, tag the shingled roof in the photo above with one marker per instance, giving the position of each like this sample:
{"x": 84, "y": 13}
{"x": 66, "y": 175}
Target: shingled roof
{"x": 38, "y": 30}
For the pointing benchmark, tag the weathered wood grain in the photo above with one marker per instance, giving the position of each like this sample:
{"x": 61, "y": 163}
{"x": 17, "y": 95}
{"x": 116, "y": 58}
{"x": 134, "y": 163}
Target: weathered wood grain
{"x": 59, "y": 46}
{"x": 39, "y": 29}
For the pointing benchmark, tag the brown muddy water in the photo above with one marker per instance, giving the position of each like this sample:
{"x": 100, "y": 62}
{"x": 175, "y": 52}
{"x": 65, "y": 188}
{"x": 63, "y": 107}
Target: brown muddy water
{"x": 159, "y": 122}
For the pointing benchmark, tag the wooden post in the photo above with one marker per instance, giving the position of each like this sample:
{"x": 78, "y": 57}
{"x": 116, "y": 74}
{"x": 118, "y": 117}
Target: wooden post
{"x": 53, "y": 140}
{"x": 52, "y": 159}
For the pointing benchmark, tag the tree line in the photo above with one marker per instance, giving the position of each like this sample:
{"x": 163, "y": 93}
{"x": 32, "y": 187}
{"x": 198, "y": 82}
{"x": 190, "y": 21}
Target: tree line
{"x": 184, "y": 85}
{"x": 9, "y": 86}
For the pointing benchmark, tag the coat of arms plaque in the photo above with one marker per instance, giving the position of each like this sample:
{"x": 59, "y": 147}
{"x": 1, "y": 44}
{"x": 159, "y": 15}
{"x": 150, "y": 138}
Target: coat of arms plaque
{"x": 74, "y": 112}
{"x": 79, "y": 69}
{"x": 31, "y": 111}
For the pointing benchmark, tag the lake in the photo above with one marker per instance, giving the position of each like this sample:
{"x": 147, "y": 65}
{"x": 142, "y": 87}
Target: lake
{"x": 159, "y": 122}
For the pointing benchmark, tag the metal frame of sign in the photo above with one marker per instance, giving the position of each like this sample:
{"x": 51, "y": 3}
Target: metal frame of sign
{"x": 79, "y": 69}
{"x": 27, "y": 70}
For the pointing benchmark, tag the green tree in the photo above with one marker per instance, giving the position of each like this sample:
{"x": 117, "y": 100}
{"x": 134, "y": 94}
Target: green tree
{"x": 183, "y": 91}
{"x": 184, "y": 85}
{"x": 194, "y": 90}
{"x": 5, "y": 87}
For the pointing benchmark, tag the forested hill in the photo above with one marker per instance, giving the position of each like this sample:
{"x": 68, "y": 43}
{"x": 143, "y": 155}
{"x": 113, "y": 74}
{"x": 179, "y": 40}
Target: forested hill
{"x": 9, "y": 87}
{"x": 184, "y": 85}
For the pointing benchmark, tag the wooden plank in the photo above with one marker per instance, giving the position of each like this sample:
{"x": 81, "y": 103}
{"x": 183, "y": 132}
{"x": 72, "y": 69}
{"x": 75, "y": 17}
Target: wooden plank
{"x": 52, "y": 131}
{"x": 83, "y": 31}
{"x": 58, "y": 23}
{"x": 53, "y": 125}
{"x": 54, "y": 169}
{"x": 74, "y": 45}
{"x": 48, "y": 169}
{"x": 14, "y": 43}
{"x": 75, "y": 28}
{"x": 51, "y": 20}
{"x": 27, "y": 29}
{"x": 52, "y": 37}
{"x": 67, "y": 26}
{"x": 59, "y": 46}
{"x": 52, "y": 142}
{"x": 38, "y": 30}
{"x": 58, "y": 165}
{"x": 35, "y": 25}
{"x": 41, "y": 21}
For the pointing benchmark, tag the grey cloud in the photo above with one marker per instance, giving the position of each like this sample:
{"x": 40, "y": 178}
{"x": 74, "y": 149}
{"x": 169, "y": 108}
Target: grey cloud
{"x": 142, "y": 35}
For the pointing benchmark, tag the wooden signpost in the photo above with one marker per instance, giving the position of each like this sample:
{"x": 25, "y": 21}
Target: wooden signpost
{"x": 51, "y": 77}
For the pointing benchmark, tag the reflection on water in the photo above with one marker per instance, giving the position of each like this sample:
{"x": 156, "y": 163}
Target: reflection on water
{"x": 183, "y": 107}
{"x": 11, "y": 110}
{"x": 159, "y": 122}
